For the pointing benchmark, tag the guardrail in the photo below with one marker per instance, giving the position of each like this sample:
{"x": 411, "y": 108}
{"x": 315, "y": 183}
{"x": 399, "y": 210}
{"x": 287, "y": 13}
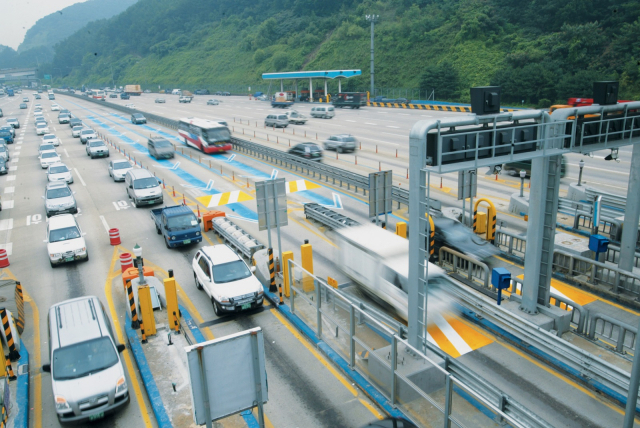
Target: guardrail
{"x": 236, "y": 237}
{"x": 613, "y": 330}
{"x": 327, "y": 217}
{"x": 376, "y": 351}
{"x": 463, "y": 266}
{"x": 515, "y": 244}
{"x": 613, "y": 255}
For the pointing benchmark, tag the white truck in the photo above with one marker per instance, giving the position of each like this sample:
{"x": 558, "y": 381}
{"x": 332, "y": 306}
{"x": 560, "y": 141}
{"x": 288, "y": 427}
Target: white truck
{"x": 295, "y": 117}
{"x": 378, "y": 261}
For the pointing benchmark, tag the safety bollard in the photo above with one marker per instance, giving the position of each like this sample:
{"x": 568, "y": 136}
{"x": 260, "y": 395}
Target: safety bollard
{"x": 4, "y": 260}
{"x": 14, "y": 355}
{"x": 126, "y": 261}
{"x": 146, "y": 309}
{"x": 164, "y": 186}
{"x": 144, "y": 337}
{"x": 286, "y": 256}
{"x": 272, "y": 277}
{"x": 20, "y": 303}
{"x": 135, "y": 324}
{"x": 184, "y": 202}
{"x": 114, "y": 236}
{"x": 306, "y": 255}
{"x": 5, "y": 367}
{"x": 174, "y": 191}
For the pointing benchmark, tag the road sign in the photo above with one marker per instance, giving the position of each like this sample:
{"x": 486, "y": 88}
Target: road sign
{"x": 47, "y": 77}
{"x": 380, "y": 186}
{"x": 467, "y": 184}
{"x": 266, "y": 194}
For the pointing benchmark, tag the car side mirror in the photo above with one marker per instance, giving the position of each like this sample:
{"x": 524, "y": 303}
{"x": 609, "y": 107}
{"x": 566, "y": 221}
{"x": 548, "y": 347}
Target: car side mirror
{"x": 253, "y": 269}
{"x": 120, "y": 347}
{"x": 130, "y": 186}
{"x": 45, "y": 241}
{"x": 199, "y": 220}
{"x": 46, "y": 368}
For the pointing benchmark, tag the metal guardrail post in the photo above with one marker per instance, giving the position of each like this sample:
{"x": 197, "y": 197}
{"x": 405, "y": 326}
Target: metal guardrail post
{"x": 292, "y": 282}
{"x": 318, "y": 308}
{"x": 394, "y": 367}
{"x": 448, "y": 397}
{"x": 352, "y": 335}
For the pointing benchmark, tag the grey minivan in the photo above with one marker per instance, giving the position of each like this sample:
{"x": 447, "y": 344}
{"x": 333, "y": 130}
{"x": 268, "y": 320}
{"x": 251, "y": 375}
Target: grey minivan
{"x": 160, "y": 148}
{"x": 87, "y": 375}
{"x": 277, "y": 120}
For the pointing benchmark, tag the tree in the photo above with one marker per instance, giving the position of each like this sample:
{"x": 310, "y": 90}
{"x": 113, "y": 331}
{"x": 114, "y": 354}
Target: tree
{"x": 441, "y": 78}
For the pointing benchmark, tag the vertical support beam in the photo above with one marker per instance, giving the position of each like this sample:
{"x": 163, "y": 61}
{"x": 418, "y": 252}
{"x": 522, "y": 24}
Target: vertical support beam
{"x": 306, "y": 255}
{"x": 146, "y": 310}
{"x": 325, "y": 89}
{"x": 418, "y": 246}
{"x": 171, "y": 297}
{"x": 543, "y": 209}
{"x": 339, "y": 85}
{"x": 286, "y": 256}
{"x": 631, "y": 214}
{"x": 310, "y": 89}
{"x": 281, "y": 86}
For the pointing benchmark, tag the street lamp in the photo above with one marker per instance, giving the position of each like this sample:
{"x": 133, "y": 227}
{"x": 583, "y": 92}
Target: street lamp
{"x": 373, "y": 19}
{"x": 523, "y": 173}
{"x": 581, "y": 165}
{"x": 138, "y": 253}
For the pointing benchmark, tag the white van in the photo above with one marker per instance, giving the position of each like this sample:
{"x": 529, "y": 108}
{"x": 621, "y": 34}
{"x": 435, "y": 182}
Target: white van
{"x": 87, "y": 375}
{"x": 143, "y": 187}
{"x": 325, "y": 112}
{"x": 176, "y": 92}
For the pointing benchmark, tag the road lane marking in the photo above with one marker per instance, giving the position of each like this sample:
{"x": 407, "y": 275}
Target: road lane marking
{"x": 65, "y": 152}
{"x": 15, "y": 160}
{"x": 16, "y": 153}
{"x": 6, "y": 224}
{"x": 80, "y": 177}
{"x": 104, "y": 223}
{"x": 126, "y": 354}
{"x": 9, "y": 189}
{"x": 7, "y": 205}
{"x": 369, "y": 123}
{"x": 11, "y": 178}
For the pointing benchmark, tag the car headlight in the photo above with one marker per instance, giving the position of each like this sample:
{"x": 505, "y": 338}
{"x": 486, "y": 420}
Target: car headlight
{"x": 81, "y": 250}
{"x": 121, "y": 385}
{"x": 172, "y": 238}
{"x": 61, "y": 403}
{"x": 198, "y": 233}
{"x": 55, "y": 255}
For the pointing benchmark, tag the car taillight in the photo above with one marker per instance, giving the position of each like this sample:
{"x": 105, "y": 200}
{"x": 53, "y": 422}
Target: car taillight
{"x": 306, "y": 155}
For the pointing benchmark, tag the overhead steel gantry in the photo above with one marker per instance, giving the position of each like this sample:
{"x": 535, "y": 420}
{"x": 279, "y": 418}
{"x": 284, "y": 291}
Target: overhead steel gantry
{"x": 322, "y": 74}
{"x": 441, "y": 146}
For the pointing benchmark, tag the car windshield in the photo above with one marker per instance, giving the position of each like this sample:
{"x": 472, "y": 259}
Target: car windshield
{"x": 145, "y": 183}
{"x": 47, "y": 155}
{"x": 213, "y": 135}
{"x": 58, "y": 169}
{"x": 138, "y": 116}
{"x": 62, "y": 115}
{"x": 3, "y": 148}
{"x": 162, "y": 143}
{"x": 41, "y": 125}
{"x": 121, "y": 165}
{"x": 84, "y": 358}
{"x": 185, "y": 221}
{"x": 232, "y": 271}
{"x": 347, "y": 139}
{"x": 49, "y": 137}
{"x": 77, "y": 128}
{"x": 45, "y": 147}
{"x": 87, "y": 131}
{"x": 96, "y": 143}
{"x": 59, "y": 192}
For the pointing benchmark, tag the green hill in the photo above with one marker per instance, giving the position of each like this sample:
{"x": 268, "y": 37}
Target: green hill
{"x": 539, "y": 52}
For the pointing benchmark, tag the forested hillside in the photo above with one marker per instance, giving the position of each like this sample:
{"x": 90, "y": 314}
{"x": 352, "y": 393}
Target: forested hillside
{"x": 540, "y": 52}
{"x": 37, "y": 47}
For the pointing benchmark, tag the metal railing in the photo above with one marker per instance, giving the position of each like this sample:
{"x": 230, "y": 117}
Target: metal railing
{"x": 327, "y": 217}
{"x": 387, "y": 361}
{"x": 515, "y": 244}
{"x": 236, "y": 237}
{"x": 613, "y": 255}
{"x": 463, "y": 266}
{"x": 621, "y": 334}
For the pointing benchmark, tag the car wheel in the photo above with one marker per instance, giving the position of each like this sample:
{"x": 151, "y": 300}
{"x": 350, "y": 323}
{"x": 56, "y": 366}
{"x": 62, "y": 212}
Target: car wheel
{"x": 216, "y": 307}
{"x": 87, "y": 258}
{"x": 166, "y": 243}
{"x": 339, "y": 150}
{"x": 198, "y": 286}
{"x": 158, "y": 231}
{"x": 53, "y": 265}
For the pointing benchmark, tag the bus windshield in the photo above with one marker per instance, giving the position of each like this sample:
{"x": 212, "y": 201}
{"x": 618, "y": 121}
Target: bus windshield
{"x": 214, "y": 135}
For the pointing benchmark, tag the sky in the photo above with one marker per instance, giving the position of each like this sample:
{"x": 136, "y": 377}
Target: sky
{"x": 20, "y": 15}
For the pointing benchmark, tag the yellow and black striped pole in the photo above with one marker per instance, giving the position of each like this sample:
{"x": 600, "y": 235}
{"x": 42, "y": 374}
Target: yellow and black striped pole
{"x": 175, "y": 322}
{"x": 144, "y": 337}
{"x": 10, "y": 369}
{"x": 13, "y": 352}
{"x": 132, "y": 304}
{"x": 492, "y": 228}
{"x": 20, "y": 303}
{"x": 272, "y": 272}
{"x": 475, "y": 218}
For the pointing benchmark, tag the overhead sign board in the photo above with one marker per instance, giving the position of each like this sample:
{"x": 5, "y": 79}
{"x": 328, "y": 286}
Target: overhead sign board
{"x": 271, "y": 199}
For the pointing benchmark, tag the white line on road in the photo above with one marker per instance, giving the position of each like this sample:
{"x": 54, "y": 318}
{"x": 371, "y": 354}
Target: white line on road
{"x": 16, "y": 153}
{"x": 11, "y": 178}
{"x": 6, "y": 224}
{"x": 349, "y": 120}
{"x": 9, "y": 189}
{"x": 66, "y": 153}
{"x": 7, "y": 205}
{"x": 13, "y": 168}
{"x": 80, "y": 177}
{"x": 369, "y": 123}
{"x": 391, "y": 126}
{"x": 104, "y": 223}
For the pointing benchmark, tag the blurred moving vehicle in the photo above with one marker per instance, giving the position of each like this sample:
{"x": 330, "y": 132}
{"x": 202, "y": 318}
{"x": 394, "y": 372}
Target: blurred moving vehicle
{"x": 341, "y": 143}
{"x": 514, "y": 168}
{"x": 295, "y": 117}
{"x": 23, "y": 106}
{"x": 160, "y": 148}
{"x": 354, "y": 100}
{"x": 87, "y": 134}
{"x": 323, "y": 112}
{"x": 160, "y": 101}
{"x": 138, "y": 118}
{"x": 213, "y": 102}
{"x": 206, "y": 135}
{"x": 378, "y": 261}
{"x": 15, "y": 123}
{"x": 308, "y": 151}
{"x": 50, "y": 139}
{"x": 4, "y": 169}
{"x": 48, "y": 158}
{"x": 277, "y": 120}
{"x": 453, "y": 234}
{"x": 184, "y": 99}
{"x": 75, "y": 131}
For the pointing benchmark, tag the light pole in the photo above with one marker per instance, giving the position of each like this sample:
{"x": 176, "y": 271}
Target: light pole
{"x": 523, "y": 173}
{"x": 373, "y": 19}
{"x": 138, "y": 253}
{"x": 581, "y": 165}
{"x": 113, "y": 80}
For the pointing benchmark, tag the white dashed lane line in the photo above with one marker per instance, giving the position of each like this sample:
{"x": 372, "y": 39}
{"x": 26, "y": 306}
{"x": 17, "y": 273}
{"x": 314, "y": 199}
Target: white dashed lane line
{"x": 9, "y": 189}
{"x": 11, "y": 178}
{"x": 80, "y": 177}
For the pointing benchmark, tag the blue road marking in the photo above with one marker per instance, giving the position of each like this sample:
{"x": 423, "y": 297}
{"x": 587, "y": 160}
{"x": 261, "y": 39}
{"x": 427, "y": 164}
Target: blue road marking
{"x": 237, "y": 207}
{"x": 22, "y": 390}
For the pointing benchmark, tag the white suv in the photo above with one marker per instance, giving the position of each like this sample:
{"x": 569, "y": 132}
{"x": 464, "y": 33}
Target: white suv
{"x": 227, "y": 280}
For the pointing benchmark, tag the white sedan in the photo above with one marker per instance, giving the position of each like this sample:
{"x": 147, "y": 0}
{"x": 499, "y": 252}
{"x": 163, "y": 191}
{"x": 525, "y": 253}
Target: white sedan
{"x": 48, "y": 158}
{"x": 59, "y": 172}
{"x": 55, "y": 107}
{"x": 42, "y": 129}
{"x": 97, "y": 148}
{"x": 50, "y": 139}
{"x": 118, "y": 169}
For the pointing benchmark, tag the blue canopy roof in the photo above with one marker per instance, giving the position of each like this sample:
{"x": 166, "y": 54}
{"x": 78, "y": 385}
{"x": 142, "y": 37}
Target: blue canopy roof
{"x": 323, "y": 74}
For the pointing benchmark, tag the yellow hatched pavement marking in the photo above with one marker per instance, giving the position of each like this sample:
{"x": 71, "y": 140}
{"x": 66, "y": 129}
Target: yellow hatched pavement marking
{"x": 299, "y": 185}
{"x": 455, "y": 337}
{"x": 220, "y": 199}
{"x": 558, "y": 287}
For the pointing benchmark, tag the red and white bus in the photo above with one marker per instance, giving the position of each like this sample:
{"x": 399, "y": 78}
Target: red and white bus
{"x": 97, "y": 94}
{"x": 206, "y": 135}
